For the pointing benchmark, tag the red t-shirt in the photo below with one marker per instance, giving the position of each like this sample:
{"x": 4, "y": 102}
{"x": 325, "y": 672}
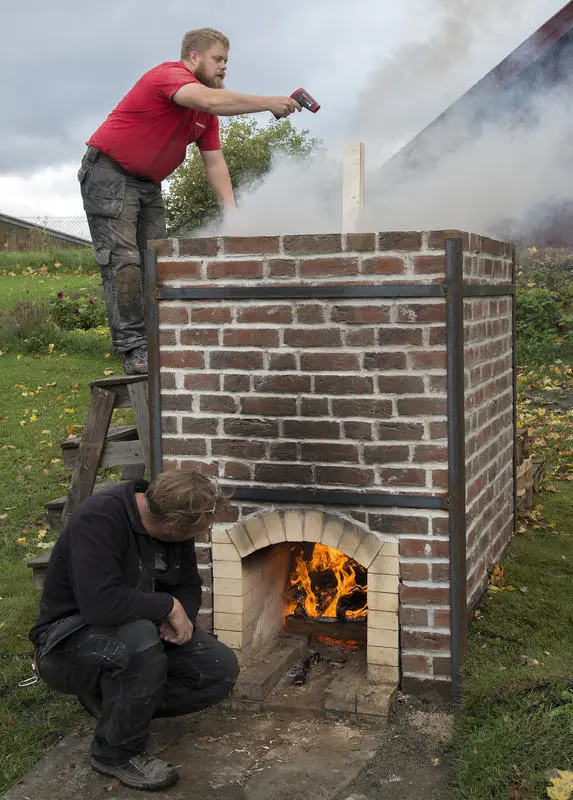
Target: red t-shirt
{"x": 148, "y": 133}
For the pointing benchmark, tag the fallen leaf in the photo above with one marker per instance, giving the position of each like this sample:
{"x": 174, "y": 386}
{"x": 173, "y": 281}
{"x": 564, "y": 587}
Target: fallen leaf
{"x": 69, "y": 410}
{"x": 21, "y": 540}
{"x": 562, "y": 787}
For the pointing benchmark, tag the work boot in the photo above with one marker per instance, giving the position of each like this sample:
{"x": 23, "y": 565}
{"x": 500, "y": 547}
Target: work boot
{"x": 135, "y": 361}
{"x": 141, "y": 771}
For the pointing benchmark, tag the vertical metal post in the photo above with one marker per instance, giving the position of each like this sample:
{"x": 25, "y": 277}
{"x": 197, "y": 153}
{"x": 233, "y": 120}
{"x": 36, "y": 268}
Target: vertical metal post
{"x": 154, "y": 377}
{"x": 514, "y": 378}
{"x": 456, "y": 455}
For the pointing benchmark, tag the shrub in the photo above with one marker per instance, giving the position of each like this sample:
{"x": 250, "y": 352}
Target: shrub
{"x": 27, "y": 328}
{"x": 70, "y": 312}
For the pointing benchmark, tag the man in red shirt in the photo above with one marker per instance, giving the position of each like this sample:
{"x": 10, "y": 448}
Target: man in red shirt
{"x": 140, "y": 143}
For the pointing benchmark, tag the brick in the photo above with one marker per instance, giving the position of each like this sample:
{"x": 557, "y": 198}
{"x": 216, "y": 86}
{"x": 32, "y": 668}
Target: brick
{"x": 431, "y": 359}
{"x": 400, "y": 384}
{"x": 400, "y": 431}
{"x": 362, "y": 407}
{"x": 430, "y": 452}
{"x": 345, "y": 476}
{"x": 332, "y": 266}
{"x": 442, "y": 665}
{"x": 237, "y": 470}
{"x": 423, "y": 312}
{"x": 438, "y": 383}
{"x": 198, "y": 247}
{"x": 416, "y": 617}
{"x": 236, "y": 383}
{"x": 167, "y": 338}
{"x": 265, "y": 314}
{"x": 360, "y": 337}
{"x": 360, "y": 242}
{"x": 169, "y": 424}
{"x": 329, "y": 453}
{"x": 438, "y": 430}
{"x": 416, "y": 663}
{"x": 442, "y": 618}
{"x": 343, "y": 384}
{"x": 198, "y": 466}
{"x": 422, "y": 407}
{"x": 424, "y": 595}
{"x": 284, "y": 451}
{"x": 282, "y": 362}
{"x": 269, "y": 406}
{"x": 236, "y": 359}
{"x": 330, "y": 362}
{"x": 282, "y": 384}
{"x": 251, "y": 245}
{"x": 360, "y": 314}
{"x": 217, "y": 403}
{"x": 256, "y": 428}
{"x": 312, "y": 337}
{"x": 163, "y": 247}
{"x": 437, "y": 239}
{"x": 384, "y": 454}
{"x": 389, "y": 337}
{"x": 400, "y": 240}
{"x": 198, "y": 425}
{"x": 281, "y": 268}
{"x": 425, "y": 640}
{"x": 402, "y": 477}
{"x": 183, "y": 446}
{"x": 172, "y": 315}
{"x": 440, "y": 479}
{"x": 168, "y": 270}
{"x": 383, "y": 265}
{"x": 314, "y": 407}
{"x": 261, "y": 337}
{"x": 284, "y": 473}
{"x": 429, "y": 265}
{"x": 437, "y": 336}
{"x": 311, "y": 429}
{"x": 383, "y": 361}
{"x": 214, "y": 315}
{"x": 441, "y": 572}
{"x": 310, "y": 245}
{"x": 167, "y": 380}
{"x": 234, "y": 269}
{"x": 357, "y": 430}
{"x": 176, "y": 402}
{"x": 394, "y": 525}
{"x": 186, "y": 359}
{"x": 238, "y": 448}
{"x": 414, "y": 571}
{"x": 199, "y": 336}
{"x": 310, "y": 314}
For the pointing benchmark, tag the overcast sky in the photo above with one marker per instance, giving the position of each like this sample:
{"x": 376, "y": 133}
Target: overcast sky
{"x": 64, "y": 65}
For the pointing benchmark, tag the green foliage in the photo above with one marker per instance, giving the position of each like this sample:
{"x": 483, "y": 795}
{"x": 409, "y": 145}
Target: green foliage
{"x": 49, "y": 261}
{"x": 27, "y": 328}
{"x": 248, "y": 149}
{"x": 544, "y": 306}
{"x": 70, "y": 312}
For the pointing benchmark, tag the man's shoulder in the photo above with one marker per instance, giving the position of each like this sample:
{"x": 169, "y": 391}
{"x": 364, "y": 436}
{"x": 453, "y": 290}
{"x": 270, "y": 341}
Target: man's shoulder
{"x": 171, "y": 70}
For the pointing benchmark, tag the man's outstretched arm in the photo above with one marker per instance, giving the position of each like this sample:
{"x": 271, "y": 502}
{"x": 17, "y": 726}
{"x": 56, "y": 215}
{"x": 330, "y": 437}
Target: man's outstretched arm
{"x": 218, "y": 177}
{"x": 225, "y": 103}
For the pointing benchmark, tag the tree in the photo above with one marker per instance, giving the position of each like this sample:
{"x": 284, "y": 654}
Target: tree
{"x": 248, "y": 149}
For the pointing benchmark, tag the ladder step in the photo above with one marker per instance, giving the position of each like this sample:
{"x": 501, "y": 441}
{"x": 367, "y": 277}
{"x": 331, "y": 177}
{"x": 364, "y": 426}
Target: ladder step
{"x": 118, "y": 384}
{"x": 55, "y": 507}
{"x": 116, "y": 433}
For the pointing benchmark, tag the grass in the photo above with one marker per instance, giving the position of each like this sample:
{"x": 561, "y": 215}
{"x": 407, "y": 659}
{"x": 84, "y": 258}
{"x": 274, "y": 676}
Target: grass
{"x": 41, "y": 288}
{"x": 516, "y": 716}
{"x": 75, "y": 260}
{"x": 44, "y": 401}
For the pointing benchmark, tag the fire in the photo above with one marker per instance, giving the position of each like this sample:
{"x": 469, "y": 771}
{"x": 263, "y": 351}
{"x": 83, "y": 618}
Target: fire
{"x": 321, "y": 598}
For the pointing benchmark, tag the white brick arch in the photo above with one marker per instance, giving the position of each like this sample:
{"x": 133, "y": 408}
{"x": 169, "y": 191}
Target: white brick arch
{"x": 241, "y": 555}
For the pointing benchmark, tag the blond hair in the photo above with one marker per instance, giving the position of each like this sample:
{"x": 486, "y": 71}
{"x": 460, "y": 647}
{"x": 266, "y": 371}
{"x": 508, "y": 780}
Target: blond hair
{"x": 202, "y": 39}
{"x": 184, "y": 499}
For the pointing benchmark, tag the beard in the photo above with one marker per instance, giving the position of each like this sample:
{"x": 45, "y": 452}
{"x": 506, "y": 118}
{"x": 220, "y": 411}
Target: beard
{"x": 211, "y": 83}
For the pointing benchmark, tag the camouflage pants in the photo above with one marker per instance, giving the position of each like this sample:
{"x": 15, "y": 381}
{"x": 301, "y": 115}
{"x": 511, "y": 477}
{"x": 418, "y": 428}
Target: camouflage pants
{"x": 124, "y": 212}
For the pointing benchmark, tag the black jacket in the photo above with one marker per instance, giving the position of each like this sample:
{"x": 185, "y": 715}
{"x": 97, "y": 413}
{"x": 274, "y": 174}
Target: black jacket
{"x": 103, "y": 566}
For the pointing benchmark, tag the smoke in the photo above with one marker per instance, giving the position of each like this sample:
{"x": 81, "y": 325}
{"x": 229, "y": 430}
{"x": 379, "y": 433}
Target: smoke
{"x": 504, "y": 174}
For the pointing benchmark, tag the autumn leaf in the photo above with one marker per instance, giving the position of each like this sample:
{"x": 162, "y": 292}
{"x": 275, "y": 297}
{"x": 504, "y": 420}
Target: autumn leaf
{"x": 69, "y": 410}
{"x": 562, "y": 785}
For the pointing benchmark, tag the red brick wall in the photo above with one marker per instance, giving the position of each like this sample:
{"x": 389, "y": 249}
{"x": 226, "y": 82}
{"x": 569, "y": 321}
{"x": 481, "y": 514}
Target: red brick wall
{"x": 324, "y": 393}
{"x": 489, "y": 411}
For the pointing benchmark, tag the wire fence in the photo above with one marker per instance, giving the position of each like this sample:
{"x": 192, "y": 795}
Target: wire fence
{"x": 73, "y": 226}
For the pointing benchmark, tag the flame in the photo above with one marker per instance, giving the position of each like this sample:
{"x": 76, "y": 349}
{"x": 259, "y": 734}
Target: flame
{"x": 324, "y": 602}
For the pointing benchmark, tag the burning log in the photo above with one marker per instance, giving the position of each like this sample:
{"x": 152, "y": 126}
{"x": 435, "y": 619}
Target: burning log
{"x": 353, "y": 630}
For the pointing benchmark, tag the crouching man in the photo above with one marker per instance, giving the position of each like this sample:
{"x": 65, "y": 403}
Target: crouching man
{"x": 117, "y": 618}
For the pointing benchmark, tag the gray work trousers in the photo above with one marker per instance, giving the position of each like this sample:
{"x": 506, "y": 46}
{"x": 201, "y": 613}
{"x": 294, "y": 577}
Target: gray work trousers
{"x": 124, "y": 212}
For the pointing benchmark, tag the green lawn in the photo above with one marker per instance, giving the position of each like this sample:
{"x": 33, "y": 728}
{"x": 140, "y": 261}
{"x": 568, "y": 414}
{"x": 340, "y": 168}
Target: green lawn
{"x": 42, "y": 288}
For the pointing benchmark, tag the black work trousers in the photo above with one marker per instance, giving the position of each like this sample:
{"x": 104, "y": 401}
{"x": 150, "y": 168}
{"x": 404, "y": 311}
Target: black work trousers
{"x": 133, "y": 676}
{"x": 124, "y": 212}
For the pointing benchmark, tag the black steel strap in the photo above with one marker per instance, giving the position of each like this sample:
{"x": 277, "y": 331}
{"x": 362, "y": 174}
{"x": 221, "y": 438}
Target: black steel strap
{"x": 334, "y": 497}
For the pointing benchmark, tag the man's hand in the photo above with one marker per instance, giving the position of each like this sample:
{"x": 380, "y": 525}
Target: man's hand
{"x": 177, "y": 628}
{"x": 283, "y": 106}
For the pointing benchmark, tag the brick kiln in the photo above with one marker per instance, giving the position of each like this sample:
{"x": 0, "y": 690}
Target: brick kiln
{"x": 355, "y": 391}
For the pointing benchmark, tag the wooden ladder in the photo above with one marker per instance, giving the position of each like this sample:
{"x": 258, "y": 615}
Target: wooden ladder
{"x": 101, "y": 446}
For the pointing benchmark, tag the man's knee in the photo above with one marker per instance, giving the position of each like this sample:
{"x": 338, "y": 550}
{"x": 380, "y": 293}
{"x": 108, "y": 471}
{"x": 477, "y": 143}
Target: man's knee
{"x": 227, "y": 665}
